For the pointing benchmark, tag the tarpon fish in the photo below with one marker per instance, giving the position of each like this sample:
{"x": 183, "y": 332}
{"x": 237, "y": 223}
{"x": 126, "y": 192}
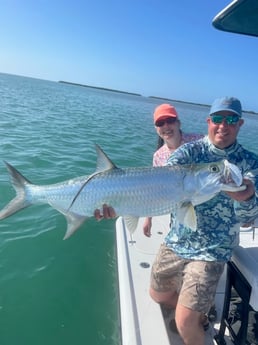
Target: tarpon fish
{"x": 132, "y": 192}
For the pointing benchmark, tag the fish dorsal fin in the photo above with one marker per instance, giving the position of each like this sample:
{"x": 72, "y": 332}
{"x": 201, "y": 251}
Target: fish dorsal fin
{"x": 131, "y": 223}
{"x": 103, "y": 164}
{"x": 103, "y": 161}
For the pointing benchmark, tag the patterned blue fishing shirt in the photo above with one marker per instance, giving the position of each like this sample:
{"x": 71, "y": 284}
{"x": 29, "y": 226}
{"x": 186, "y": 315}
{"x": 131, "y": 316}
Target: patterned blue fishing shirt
{"x": 219, "y": 219}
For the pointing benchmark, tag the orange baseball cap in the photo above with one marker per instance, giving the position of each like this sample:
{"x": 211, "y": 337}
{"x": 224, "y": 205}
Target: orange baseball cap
{"x": 164, "y": 111}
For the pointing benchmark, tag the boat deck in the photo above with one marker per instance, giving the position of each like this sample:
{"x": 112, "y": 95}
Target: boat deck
{"x": 142, "y": 321}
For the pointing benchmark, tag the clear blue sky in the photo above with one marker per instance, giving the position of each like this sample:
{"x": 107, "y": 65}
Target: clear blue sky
{"x": 166, "y": 48}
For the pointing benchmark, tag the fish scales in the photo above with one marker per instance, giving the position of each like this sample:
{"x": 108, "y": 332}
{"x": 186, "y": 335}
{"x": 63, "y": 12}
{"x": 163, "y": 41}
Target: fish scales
{"x": 132, "y": 192}
{"x": 144, "y": 191}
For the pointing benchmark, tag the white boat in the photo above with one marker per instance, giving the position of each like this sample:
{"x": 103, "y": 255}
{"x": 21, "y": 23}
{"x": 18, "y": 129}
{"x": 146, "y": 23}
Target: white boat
{"x": 142, "y": 320}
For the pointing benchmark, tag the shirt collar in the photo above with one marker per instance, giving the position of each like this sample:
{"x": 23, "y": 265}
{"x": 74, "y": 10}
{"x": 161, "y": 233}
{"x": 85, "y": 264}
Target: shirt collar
{"x": 222, "y": 152}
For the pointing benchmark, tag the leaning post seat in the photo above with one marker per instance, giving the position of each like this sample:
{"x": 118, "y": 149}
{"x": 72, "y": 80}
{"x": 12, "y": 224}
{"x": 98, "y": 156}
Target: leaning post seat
{"x": 240, "y": 311}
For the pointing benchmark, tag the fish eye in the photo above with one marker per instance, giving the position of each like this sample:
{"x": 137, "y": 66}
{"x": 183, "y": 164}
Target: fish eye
{"x": 214, "y": 168}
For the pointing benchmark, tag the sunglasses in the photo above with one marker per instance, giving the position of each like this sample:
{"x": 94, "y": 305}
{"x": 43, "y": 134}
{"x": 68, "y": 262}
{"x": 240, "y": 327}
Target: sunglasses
{"x": 169, "y": 121}
{"x": 230, "y": 119}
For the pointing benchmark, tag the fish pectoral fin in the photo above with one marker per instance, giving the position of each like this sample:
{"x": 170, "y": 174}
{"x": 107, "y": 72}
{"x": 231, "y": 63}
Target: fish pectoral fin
{"x": 187, "y": 216}
{"x": 74, "y": 221}
{"x": 131, "y": 223}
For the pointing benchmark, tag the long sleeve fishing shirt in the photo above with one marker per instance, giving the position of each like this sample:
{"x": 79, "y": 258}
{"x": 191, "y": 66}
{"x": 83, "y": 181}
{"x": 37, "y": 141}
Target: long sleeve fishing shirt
{"x": 219, "y": 219}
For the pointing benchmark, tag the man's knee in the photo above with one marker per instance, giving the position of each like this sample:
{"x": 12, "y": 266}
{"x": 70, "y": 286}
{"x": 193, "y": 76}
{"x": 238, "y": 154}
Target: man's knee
{"x": 166, "y": 298}
{"x": 155, "y": 295}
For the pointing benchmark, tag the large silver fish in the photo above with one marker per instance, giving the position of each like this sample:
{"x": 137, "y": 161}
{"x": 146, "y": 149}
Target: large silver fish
{"x": 132, "y": 192}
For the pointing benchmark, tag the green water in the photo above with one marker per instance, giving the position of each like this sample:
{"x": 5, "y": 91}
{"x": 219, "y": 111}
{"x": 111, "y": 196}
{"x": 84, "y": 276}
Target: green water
{"x": 66, "y": 292}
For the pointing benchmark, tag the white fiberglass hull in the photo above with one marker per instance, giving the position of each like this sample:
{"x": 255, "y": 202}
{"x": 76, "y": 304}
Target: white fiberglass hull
{"x": 142, "y": 321}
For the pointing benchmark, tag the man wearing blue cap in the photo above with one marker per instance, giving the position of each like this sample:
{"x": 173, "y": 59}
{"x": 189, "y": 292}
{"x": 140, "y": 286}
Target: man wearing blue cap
{"x": 189, "y": 264}
{"x": 227, "y": 110}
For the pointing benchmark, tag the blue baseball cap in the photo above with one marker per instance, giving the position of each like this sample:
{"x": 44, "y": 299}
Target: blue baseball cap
{"x": 231, "y": 104}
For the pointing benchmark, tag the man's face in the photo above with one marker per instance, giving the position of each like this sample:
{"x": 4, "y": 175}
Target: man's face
{"x": 224, "y": 132}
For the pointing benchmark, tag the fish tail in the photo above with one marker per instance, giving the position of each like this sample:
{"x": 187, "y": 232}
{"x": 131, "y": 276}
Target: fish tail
{"x": 20, "y": 201}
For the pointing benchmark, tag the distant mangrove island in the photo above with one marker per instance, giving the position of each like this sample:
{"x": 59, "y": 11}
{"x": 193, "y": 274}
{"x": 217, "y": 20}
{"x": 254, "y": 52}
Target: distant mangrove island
{"x": 99, "y": 88}
{"x": 137, "y": 94}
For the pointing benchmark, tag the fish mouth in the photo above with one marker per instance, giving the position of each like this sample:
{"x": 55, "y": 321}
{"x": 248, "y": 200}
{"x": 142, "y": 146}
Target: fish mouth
{"x": 232, "y": 178}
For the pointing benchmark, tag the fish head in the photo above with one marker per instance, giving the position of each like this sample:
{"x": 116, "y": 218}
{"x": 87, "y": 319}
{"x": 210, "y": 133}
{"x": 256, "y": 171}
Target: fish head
{"x": 210, "y": 178}
{"x": 224, "y": 174}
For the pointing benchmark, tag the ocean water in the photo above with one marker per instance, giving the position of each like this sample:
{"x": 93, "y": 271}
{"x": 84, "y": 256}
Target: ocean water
{"x": 66, "y": 292}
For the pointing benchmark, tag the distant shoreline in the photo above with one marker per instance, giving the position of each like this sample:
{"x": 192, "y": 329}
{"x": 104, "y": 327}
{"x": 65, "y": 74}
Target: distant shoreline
{"x": 178, "y": 101}
{"x": 137, "y": 94}
{"x": 129, "y": 93}
{"x": 99, "y": 88}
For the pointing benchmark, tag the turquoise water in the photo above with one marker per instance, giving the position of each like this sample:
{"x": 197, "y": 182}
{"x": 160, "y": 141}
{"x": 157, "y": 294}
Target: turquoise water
{"x": 66, "y": 292}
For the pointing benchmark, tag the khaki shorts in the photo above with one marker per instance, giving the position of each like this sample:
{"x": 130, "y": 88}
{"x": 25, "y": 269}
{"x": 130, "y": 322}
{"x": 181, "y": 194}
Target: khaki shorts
{"x": 194, "y": 281}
